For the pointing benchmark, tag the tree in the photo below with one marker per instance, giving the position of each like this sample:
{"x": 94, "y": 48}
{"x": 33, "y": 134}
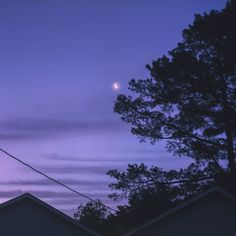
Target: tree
{"x": 190, "y": 98}
{"x": 92, "y": 214}
{"x": 173, "y": 185}
{"x": 189, "y": 101}
{"x": 142, "y": 206}
{"x": 149, "y": 192}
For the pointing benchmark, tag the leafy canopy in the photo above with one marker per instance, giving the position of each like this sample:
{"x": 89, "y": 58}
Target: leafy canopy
{"x": 189, "y": 101}
{"x": 190, "y": 98}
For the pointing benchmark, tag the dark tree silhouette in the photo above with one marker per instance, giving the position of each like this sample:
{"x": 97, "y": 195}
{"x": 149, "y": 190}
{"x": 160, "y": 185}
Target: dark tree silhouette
{"x": 189, "y": 101}
{"x": 149, "y": 192}
{"x": 92, "y": 214}
{"x": 178, "y": 185}
{"x": 190, "y": 98}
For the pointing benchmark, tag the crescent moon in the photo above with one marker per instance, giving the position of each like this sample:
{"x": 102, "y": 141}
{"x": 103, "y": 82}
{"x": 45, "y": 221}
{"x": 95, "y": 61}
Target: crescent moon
{"x": 115, "y": 86}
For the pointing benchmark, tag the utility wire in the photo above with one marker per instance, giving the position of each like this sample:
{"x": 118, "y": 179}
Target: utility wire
{"x": 52, "y": 179}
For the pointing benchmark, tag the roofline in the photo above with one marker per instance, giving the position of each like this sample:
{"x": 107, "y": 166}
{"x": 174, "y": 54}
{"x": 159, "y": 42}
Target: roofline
{"x": 181, "y": 206}
{"x": 50, "y": 208}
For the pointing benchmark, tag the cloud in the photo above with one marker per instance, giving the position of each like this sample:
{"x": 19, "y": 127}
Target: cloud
{"x": 64, "y": 201}
{"x": 46, "y": 182}
{"x": 152, "y": 156}
{"x": 35, "y": 128}
{"x": 50, "y": 194}
{"x": 73, "y": 169}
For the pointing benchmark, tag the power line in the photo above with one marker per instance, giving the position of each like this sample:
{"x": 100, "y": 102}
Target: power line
{"x": 52, "y": 179}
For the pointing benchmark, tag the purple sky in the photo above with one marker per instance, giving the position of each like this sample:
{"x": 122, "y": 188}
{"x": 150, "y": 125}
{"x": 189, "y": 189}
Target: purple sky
{"x": 58, "y": 60}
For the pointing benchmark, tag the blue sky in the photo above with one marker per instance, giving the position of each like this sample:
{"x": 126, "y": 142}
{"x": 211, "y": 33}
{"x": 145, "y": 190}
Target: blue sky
{"x": 58, "y": 60}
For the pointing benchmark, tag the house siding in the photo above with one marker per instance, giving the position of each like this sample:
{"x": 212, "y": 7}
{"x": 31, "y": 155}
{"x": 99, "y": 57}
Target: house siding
{"x": 212, "y": 215}
{"x": 26, "y": 218}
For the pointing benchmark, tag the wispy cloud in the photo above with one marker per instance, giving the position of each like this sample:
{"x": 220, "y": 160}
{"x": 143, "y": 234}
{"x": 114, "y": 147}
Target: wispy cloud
{"x": 45, "y": 182}
{"x": 75, "y": 169}
{"x": 35, "y": 128}
{"x": 49, "y": 194}
{"x": 151, "y": 156}
{"x": 64, "y": 201}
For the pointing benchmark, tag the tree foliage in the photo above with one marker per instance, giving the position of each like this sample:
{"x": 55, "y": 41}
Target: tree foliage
{"x": 190, "y": 98}
{"x": 177, "y": 185}
{"x": 149, "y": 192}
{"x": 190, "y": 102}
{"x": 92, "y": 214}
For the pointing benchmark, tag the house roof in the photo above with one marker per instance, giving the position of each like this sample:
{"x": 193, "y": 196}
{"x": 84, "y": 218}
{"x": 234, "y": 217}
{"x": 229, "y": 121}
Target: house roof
{"x": 213, "y": 189}
{"x": 28, "y": 196}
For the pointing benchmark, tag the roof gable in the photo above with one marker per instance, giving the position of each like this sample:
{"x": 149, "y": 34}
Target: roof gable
{"x": 178, "y": 208}
{"x": 47, "y": 207}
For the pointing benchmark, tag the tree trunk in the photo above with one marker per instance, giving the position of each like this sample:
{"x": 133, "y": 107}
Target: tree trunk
{"x": 230, "y": 151}
{"x": 228, "y": 132}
